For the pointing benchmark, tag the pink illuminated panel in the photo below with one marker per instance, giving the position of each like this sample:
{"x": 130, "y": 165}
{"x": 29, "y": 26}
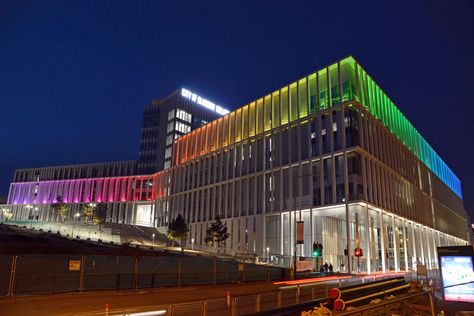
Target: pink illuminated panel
{"x": 112, "y": 189}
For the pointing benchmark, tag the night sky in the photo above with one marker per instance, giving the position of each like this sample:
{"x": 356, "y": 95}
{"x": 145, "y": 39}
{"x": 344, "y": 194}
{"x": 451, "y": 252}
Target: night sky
{"x": 75, "y": 75}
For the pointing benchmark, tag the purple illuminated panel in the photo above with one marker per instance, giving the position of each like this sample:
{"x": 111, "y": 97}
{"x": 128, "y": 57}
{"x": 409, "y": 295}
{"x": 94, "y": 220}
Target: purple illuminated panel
{"x": 115, "y": 189}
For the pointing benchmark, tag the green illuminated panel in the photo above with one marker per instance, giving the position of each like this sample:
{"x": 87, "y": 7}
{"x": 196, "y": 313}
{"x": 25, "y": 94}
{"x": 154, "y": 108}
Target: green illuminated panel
{"x": 334, "y": 83}
{"x": 313, "y": 93}
{"x": 379, "y": 105}
{"x": 302, "y": 98}
{"x": 323, "y": 89}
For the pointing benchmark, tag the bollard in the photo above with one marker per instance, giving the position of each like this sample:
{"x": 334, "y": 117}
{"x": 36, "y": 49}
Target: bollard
{"x": 228, "y": 298}
{"x": 107, "y": 309}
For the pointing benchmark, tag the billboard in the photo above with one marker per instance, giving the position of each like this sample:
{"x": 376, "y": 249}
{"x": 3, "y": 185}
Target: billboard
{"x": 457, "y": 268}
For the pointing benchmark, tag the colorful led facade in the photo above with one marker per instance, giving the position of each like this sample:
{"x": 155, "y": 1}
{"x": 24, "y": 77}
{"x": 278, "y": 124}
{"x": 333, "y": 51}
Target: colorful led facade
{"x": 99, "y": 190}
{"x": 330, "y": 149}
{"x": 343, "y": 81}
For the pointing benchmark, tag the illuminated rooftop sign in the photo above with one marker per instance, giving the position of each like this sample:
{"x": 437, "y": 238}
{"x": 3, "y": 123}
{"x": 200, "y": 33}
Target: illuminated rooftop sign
{"x": 203, "y": 102}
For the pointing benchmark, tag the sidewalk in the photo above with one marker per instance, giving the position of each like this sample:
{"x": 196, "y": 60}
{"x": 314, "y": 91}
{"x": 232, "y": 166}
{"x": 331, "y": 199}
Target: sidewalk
{"x": 91, "y": 303}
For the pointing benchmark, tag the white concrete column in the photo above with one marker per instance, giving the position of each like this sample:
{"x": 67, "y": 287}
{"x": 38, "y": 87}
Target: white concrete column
{"x": 412, "y": 230}
{"x": 405, "y": 250}
{"x": 382, "y": 240}
{"x": 367, "y": 238}
{"x": 428, "y": 246}
{"x": 396, "y": 250}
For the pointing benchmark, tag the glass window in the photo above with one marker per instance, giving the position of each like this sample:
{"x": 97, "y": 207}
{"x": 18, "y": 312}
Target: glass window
{"x": 252, "y": 119}
{"x": 170, "y": 127}
{"x": 168, "y": 152}
{"x": 214, "y": 135}
{"x": 267, "y": 121}
{"x": 348, "y": 79}
{"x": 284, "y": 105}
{"x": 313, "y": 99}
{"x": 276, "y": 109}
{"x": 238, "y": 125}
{"x": 245, "y": 122}
{"x": 334, "y": 82}
{"x": 169, "y": 139}
{"x": 259, "y": 116}
{"x": 183, "y": 115}
{"x": 302, "y": 98}
{"x": 171, "y": 115}
{"x": 323, "y": 89}
{"x": 219, "y": 133}
{"x": 293, "y": 102}
{"x": 225, "y": 129}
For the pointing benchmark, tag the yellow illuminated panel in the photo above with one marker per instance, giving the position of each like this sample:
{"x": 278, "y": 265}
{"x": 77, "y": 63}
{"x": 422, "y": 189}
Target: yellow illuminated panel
{"x": 313, "y": 93}
{"x": 238, "y": 125}
{"x": 252, "y": 118}
{"x": 225, "y": 129}
{"x": 293, "y": 102}
{"x": 284, "y": 105}
{"x": 267, "y": 119}
{"x": 259, "y": 116}
{"x": 245, "y": 122}
{"x": 276, "y": 109}
{"x": 232, "y": 128}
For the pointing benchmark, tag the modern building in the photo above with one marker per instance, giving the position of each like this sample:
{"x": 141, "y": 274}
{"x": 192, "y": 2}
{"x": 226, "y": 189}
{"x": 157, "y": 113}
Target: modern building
{"x": 166, "y": 119}
{"x": 330, "y": 151}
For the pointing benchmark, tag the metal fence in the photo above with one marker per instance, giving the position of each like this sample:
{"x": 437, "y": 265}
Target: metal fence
{"x": 33, "y": 274}
{"x": 296, "y": 298}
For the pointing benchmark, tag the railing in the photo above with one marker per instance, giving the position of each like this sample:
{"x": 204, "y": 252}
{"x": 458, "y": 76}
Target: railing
{"x": 295, "y": 298}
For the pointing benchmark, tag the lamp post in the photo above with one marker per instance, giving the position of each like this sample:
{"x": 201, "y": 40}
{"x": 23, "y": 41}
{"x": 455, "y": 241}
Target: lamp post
{"x": 153, "y": 239}
{"x": 192, "y": 243}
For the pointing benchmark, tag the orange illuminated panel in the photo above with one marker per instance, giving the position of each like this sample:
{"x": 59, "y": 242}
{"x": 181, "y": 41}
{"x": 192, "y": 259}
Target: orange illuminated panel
{"x": 219, "y": 133}
{"x": 214, "y": 135}
{"x": 201, "y": 140}
{"x": 232, "y": 128}
{"x": 225, "y": 129}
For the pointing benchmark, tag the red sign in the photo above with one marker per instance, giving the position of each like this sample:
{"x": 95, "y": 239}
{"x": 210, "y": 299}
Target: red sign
{"x": 300, "y": 232}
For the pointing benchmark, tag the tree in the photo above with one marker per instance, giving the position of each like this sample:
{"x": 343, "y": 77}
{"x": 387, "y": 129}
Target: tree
{"x": 87, "y": 211}
{"x": 100, "y": 214}
{"x": 216, "y": 233}
{"x": 60, "y": 208}
{"x": 178, "y": 230}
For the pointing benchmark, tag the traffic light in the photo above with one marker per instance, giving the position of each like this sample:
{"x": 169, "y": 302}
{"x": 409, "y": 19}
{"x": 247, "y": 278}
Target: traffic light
{"x": 317, "y": 249}
{"x": 358, "y": 252}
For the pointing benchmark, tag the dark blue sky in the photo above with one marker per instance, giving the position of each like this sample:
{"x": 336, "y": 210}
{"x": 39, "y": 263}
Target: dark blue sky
{"x": 75, "y": 75}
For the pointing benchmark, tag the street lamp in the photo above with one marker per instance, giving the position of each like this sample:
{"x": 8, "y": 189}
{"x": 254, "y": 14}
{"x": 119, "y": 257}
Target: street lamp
{"x": 192, "y": 243}
{"x": 153, "y": 240}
